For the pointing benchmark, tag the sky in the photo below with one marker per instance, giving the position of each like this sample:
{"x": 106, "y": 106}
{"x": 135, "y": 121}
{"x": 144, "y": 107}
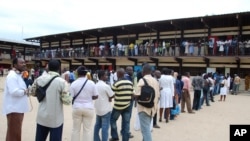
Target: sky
{"x": 20, "y": 19}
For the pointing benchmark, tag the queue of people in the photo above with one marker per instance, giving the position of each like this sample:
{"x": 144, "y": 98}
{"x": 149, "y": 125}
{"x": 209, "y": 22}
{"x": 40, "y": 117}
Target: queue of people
{"x": 186, "y": 47}
{"x": 106, "y": 102}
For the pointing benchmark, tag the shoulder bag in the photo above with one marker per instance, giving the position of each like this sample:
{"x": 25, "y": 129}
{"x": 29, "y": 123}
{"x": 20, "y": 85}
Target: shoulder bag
{"x": 41, "y": 91}
{"x": 78, "y": 92}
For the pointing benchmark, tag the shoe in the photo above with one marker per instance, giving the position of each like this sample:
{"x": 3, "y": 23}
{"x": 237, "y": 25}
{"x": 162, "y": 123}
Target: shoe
{"x": 208, "y": 104}
{"x": 191, "y": 112}
{"x": 160, "y": 120}
{"x": 183, "y": 111}
{"x": 111, "y": 139}
{"x": 131, "y": 136}
{"x": 156, "y": 126}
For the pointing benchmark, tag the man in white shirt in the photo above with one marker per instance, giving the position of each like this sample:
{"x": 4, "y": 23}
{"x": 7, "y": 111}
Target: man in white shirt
{"x": 15, "y": 100}
{"x": 103, "y": 107}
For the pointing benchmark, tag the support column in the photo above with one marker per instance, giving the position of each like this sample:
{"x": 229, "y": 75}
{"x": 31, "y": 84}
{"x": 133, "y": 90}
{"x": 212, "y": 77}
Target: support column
{"x": 179, "y": 60}
{"x": 24, "y": 53}
{"x": 156, "y": 61}
{"x": 238, "y": 65}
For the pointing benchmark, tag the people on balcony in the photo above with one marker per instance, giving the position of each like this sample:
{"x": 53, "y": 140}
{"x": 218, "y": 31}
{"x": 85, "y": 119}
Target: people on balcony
{"x": 187, "y": 47}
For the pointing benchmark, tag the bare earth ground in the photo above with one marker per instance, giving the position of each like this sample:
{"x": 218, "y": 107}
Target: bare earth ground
{"x": 209, "y": 124}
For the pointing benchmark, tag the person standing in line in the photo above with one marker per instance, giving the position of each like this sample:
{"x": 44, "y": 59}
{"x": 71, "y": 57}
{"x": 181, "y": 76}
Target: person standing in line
{"x": 223, "y": 89}
{"x": 123, "y": 94}
{"x": 186, "y": 94}
{"x": 211, "y": 89}
{"x": 197, "y": 86}
{"x": 167, "y": 93}
{"x": 103, "y": 107}
{"x": 178, "y": 88}
{"x": 83, "y": 108}
{"x": 206, "y": 87}
{"x": 129, "y": 76}
{"x": 65, "y": 74}
{"x": 157, "y": 76}
{"x": 50, "y": 120}
{"x": 236, "y": 84}
{"x": 146, "y": 114}
{"x": 15, "y": 100}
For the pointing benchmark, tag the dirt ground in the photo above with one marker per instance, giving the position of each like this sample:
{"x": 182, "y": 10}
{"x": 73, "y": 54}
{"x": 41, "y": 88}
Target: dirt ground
{"x": 211, "y": 123}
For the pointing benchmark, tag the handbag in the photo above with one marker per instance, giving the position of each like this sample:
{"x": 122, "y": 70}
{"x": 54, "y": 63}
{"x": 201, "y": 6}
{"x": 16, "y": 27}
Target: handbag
{"x": 41, "y": 91}
{"x": 79, "y": 92}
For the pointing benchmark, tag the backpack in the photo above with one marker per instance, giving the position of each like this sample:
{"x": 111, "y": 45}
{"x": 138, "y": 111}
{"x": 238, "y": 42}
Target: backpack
{"x": 147, "y": 96}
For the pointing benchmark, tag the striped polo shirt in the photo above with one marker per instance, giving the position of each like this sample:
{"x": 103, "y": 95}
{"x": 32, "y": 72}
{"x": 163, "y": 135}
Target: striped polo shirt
{"x": 123, "y": 90}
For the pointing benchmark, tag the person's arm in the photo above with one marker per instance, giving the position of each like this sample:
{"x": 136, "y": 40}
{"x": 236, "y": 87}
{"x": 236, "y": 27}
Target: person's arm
{"x": 110, "y": 93}
{"x": 14, "y": 88}
{"x": 95, "y": 94}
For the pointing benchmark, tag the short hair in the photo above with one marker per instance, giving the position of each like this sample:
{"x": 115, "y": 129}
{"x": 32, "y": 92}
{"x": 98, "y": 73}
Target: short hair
{"x": 179, "y": 77}
{"x": 81, "y": 70}
{"x": 166, "y": 71}
{"x": 54, "y": 65}
{"x": 101, "y": 73}
{"x": 146, "y": 69}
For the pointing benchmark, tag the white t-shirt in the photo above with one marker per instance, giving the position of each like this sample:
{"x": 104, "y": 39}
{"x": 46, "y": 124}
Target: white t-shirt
{"x": 102, "y": 104}
{"x": 84, "y": 99}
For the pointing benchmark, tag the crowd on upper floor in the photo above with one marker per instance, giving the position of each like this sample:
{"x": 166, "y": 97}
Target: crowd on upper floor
{"x": 188, "y": 47}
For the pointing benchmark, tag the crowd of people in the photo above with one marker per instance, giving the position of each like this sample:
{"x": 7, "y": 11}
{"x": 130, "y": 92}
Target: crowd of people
{"x": 195, "y": 47}
{"x": 105, "y": 96}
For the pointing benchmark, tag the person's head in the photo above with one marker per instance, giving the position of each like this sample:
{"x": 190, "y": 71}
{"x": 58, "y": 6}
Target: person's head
{"x": 187, "y": 74}
{"x": 129, "y": 70}
{"x": 102, "y": 75}
{"x": 157, "y": 74}
{"x": 54, "y": 65}
{"x": 120, "y": 73}
{"x": 209, "y": 74}
{"x": 19, "y": 64}
{"x": 166, "y": 71}
{"x": 146, "y": 69}
{"x": 179, "y": 77}
{"x": 81, "y": 71}
{"x": 205, "y": 76}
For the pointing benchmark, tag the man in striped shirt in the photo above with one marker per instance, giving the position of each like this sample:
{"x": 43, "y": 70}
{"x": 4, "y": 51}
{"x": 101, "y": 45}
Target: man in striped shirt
{"x": 123, "y": 90}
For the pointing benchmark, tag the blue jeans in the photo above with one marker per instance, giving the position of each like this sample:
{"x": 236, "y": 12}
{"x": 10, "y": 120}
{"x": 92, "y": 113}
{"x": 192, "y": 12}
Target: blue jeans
{"x": 102, "y": 122}
{"x": 42, "y": 133}
{"x": 145, "y": 121}
{"x": 126, "y": 114}
{"x": 205, "y": 96}
{"x": 216, "y": 88}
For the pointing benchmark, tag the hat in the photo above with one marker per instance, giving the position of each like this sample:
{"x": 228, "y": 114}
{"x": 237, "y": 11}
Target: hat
{"x": 81, "y": 70}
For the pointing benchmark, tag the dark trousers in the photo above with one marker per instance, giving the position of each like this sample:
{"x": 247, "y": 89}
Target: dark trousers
{"x": 196, "y": 101}
{"x": 155, "y": 119}
{"x": 42, "y": 133}
{"x": 14, "y": 126}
